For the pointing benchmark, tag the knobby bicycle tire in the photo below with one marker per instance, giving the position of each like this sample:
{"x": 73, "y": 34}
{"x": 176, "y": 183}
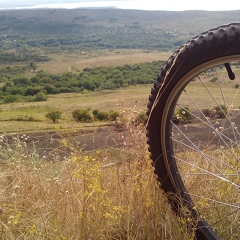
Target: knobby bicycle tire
{"x": 199, "y": 56}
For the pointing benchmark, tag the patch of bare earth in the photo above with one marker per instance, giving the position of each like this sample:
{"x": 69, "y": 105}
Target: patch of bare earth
{"x": 54, "y": 145}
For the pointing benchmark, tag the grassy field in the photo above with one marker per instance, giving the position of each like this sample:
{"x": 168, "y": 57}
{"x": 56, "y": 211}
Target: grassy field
{"x": 104, "y": 100}
{"x": 77, "y": 61}
{"x": 80, "y": 60}
{"x": 105, "y": 193}
{"x": 133, "y": 97}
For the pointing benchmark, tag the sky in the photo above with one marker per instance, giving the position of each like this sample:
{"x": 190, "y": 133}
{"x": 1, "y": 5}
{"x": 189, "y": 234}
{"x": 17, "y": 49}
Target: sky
{"x": 169, "y": 5}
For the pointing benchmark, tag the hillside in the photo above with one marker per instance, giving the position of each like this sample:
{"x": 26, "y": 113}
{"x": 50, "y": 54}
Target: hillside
{"x": 105, "y": 28}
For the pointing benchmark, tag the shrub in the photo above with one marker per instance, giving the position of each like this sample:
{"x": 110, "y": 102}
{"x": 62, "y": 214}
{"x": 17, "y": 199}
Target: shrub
{"x": 33, "y": 90}
{"x": 236, "y": 85}
{"x": 183, "y": 115}
{"x": 206, "y": 112}
{"x": 10, "y": 98}
{"x": 216, "y": 112}
{"x": 40, "y": 97}
{"x": 213, "y": 80}
{"x": 221, "y": 111}
{"x": 129, "y": 118}
{"x": 112, "y": 115}
{"x": 140, "y": 118}
{"x": 50, "y": 89}
{"x": 16, "y": 90}
{"x": 82, "y": 115}
{"x": 64, "y": 90}
{"x": 101, "y": 116}
{"x": 54, "y": 115}
{"x": 26, "y": 119}
{"x": 105, "y": 116}
{"x": 95, "y": 112}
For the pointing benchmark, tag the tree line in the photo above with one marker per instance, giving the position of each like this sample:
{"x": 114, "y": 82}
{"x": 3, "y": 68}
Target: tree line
{"x": 15, "y": 83}
{"x": 6, "y": 57}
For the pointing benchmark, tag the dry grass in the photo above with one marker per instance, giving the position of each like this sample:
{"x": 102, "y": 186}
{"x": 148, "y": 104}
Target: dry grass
{"x": 104, "y": 194}
{"x": 217, "y": 200}
{"x": 102, "y": 58}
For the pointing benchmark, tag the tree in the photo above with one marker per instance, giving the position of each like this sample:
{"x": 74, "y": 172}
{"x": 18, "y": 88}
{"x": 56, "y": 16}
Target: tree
{"x": 41, "y": 96}
{"x": 50, "y": 89}
{"x": 10, "y": 98}
{"x": 33, "y": 90}
{"x": 54, "y": 115}
{"x": 33, "y": 66}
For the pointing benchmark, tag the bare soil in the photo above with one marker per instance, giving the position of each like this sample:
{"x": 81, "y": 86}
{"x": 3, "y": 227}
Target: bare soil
{"x": 55, "y": 145}
{"x": 59, "y": 144}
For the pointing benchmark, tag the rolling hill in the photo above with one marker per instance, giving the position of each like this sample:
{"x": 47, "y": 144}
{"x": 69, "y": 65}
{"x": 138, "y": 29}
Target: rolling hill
{"x": 105, "y": 28}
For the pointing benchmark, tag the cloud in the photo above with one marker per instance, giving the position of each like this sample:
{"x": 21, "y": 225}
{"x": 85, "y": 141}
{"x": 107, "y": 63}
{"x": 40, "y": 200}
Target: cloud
{"x": 174, "y": 5}
{"x": 61, "y": 3}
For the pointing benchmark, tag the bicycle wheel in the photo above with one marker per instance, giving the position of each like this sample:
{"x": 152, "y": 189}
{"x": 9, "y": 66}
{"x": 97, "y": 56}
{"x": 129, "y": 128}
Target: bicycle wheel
{"x": 193, "y": 132}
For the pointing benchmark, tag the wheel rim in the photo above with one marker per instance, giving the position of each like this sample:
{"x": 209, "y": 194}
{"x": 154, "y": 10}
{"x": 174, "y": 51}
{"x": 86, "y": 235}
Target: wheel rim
{"x": 201, "y": 144}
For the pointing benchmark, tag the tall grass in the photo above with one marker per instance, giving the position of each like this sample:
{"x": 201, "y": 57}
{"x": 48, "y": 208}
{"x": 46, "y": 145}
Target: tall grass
{"x": 103, "y": 194}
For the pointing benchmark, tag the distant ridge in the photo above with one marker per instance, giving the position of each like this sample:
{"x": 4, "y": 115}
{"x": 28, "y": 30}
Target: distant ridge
{"x": 108, "y": 27}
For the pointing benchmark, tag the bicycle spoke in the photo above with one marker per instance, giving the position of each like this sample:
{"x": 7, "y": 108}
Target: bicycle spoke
{"x": 222, "y": 136}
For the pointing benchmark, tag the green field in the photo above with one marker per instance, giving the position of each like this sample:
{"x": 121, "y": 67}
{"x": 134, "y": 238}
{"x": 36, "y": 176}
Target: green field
{"x": 134, "y": 97}
{"x": 30, "y": 116}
